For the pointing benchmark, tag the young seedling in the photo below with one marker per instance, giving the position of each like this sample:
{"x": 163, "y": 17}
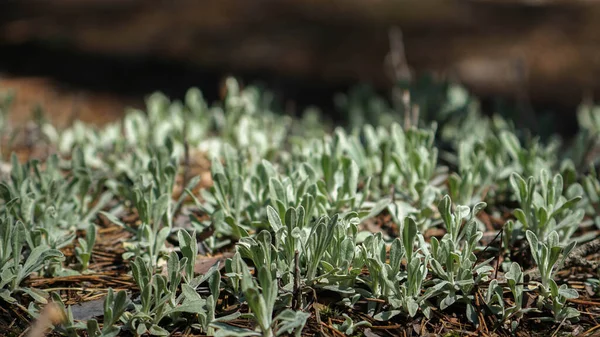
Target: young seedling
{"x": 86, "y": 246}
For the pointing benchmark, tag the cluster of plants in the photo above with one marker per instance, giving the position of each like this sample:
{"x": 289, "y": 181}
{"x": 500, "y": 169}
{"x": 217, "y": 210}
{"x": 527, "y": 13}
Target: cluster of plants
{"x": 295, "y": 203}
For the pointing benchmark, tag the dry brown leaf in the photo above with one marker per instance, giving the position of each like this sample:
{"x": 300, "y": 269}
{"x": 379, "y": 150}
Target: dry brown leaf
{"x": 204, "y": 263}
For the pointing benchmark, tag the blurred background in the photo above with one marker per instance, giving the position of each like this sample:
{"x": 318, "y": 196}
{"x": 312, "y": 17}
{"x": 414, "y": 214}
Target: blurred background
{"x": 89, "y": 59}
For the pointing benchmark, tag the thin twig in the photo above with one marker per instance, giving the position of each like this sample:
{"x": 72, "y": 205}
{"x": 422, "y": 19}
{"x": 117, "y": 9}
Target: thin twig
{"x": 330, "y": 327}
{"x": 186, "y": 157}
{"x": 297, "y": 296}
{"x": 376, "y": 300}
{"x": 386, "y": 327}
{"x": 401, "y": 73}
{"x": 589, "y": 331}
{"x": 186, "y": 167}
{"x": 559, "y": 326}
{"x": 406, "y": 105}
{"x": 499, "y": 234}
{"x": 397, "y": 55}
{"x": 415, "y": 115}
{"x": 499, "y": 252}
{"x": 584, "y": 302}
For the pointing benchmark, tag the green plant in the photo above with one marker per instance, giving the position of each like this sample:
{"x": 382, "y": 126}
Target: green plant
{"x": 349, "y": 327}
{"x": 545, "y": 210}
{"x": 530, "y": 159}
{"x": 49, "y": 204}
{"x": 403, "y": 289}
{"x": 226, "y": 202}
{"x": 151, "y": 196}
{"x": 68, "y": 327}
{"x": 453, "y": 259}
{"x": 84, "y": 251}
{"x": 546, "y": 255}
{"x": 261, "y": 297}
{"x": 189, "y": 250}
{"x": 307, "y": 211}
{"x": 590, "y": 191}
{"x": 261, "y": 302}
{"x": 495, "y": 299}
{"x": 558, "y": 304}
{"x": 114, "y": 308}
{"x": 156, "y": 292}
{"x": 291, "y": 321}
{"x": 6, "y": 99}
{"x": 411, "y": 294}
{"x": 16, "y": 265}
{"x": 151, "y": 235}
{"x": 159, "y": 299}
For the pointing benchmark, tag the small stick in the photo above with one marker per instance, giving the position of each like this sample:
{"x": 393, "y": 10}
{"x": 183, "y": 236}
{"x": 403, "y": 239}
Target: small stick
{"x": 406, "y": 103}
{"x": 386, "y": 327}
{"x": 499, "y": 234}
{"x": 397, "y": 56}
{"x": 499, "y": 252}
{"x": 297, "y": 296}
{"x": 584, "y": 302}
{"x": 186, "y": 157}
{"x": 589, "y": 332}
{"x": 559, "y": 326}
{"x": 415, "y": 115}
{"x": 186, "y": 167}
